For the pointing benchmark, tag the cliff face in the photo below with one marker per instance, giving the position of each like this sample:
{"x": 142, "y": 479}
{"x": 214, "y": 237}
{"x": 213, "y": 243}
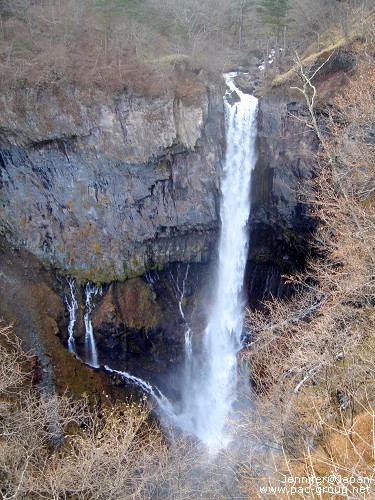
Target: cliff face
{"x": 118, "y": 186}
{"x": 106, "y": 186}
{"x": 280, "y": 226}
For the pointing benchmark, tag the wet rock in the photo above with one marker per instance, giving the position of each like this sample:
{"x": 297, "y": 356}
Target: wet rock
{"x": 233, "y": 97}
{"x": 245, "y": 83}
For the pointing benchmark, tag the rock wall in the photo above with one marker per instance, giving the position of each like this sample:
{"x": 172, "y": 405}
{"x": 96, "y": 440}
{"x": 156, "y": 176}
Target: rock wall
{"x": 114, "y": 187}
{"x": 110, "y": 186}
{"x": 280, "y": 226}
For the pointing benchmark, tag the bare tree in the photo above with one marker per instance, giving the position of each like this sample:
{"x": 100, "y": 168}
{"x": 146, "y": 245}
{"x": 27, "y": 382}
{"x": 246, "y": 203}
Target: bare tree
{"x": 312, "y": 357}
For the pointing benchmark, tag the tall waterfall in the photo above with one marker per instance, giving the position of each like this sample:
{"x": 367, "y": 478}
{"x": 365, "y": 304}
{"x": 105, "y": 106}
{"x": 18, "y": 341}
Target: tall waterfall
{"x": 210, "y": 373}
{"x": 210, "y": 388}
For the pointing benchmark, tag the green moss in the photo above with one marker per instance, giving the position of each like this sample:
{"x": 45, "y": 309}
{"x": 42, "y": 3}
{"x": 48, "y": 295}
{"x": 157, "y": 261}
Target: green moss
{"x": 157, "y": 267}
{"x": 136, "y": 269}
{"x": 154, "y": 267}
{"x": 130, "y": 272}
{"x": 81, "y": 276}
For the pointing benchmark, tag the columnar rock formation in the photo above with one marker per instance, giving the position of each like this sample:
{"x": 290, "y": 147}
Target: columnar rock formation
{"x": 280, "y": 224}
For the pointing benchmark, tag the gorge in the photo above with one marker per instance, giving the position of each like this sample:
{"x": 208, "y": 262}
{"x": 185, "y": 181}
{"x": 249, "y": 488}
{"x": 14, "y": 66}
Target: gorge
{"x": 124, "y": 193}
{"x": 187, "y": 249}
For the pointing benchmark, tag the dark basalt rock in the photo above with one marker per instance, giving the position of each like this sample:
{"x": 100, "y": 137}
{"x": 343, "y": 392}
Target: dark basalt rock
{"x": 246, "y": 83}
{"x": 341, "y": 61}
{"x": 108, "y": 187}
{"x": 233, "y": 97}
{"x": 138, "y": 326}
{"x": 280, "y": 224}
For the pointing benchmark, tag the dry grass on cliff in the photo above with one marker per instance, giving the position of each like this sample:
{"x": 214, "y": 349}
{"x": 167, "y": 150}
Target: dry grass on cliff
{"x": 362, "y": 24}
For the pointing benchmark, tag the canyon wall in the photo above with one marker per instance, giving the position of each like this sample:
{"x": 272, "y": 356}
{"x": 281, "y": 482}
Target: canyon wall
{"x": 124, "y": 190}
{"x": 109, "y": 186}
{"x": 281, "y": 224}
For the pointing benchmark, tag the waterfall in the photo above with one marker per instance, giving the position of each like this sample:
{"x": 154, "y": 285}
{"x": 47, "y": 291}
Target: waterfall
{"x": 72, "y": 306}
{"x": 90, "y": 345}
{"x": 188, "y": 344}
{"x": 162, "y": 401}
{"x": 210, "y": 388}
{"x": 180, "y": 292}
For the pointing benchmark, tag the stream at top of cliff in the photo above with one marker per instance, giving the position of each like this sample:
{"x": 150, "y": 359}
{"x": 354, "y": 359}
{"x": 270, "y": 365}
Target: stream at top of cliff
{"x": 209, "y": 378}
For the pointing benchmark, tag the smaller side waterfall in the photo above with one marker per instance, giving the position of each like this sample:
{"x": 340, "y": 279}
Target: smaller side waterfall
{"x": 90, "y": 345}
{"x": 163, "y": 402}
{"x": 180, "y": 291}
{"x": 72, "y": 306}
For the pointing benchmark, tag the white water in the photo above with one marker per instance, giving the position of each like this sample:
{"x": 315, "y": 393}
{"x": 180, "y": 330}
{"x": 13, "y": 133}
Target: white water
{"x": 210, "y": 387}
{"x": 163, "y": 402}
{"x": 90, "y": 345}
{"x": 180, "y": 292}
{"x": 210, "y": 377}
{"x": 72, "y": 306}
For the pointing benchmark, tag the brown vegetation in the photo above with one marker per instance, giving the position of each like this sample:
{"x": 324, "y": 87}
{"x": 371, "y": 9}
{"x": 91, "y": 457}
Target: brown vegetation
{"x": 108, "y": 452}
{"x": 57, "y": 42}
{"x": 53, "y": 447}
{"x": 140, "y": 43}
{"x": 313, "y": 356}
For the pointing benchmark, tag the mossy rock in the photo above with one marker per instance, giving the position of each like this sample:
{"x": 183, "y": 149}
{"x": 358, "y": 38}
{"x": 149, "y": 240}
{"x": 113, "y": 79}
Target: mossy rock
{"x": 29, "y": 300}
{"x": 132, "y": 303}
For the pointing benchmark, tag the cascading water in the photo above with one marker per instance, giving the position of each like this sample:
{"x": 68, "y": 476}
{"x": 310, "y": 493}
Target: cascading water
{"x": 179, "y": 290}
{"x": 72, "y": 306}
{"x": 90, "y": 345}
{"x": 163, "y": 402}
{"x": 210, "y": 387}
{"x": 180, "y": 296}
{"x": 210, "y": 376}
